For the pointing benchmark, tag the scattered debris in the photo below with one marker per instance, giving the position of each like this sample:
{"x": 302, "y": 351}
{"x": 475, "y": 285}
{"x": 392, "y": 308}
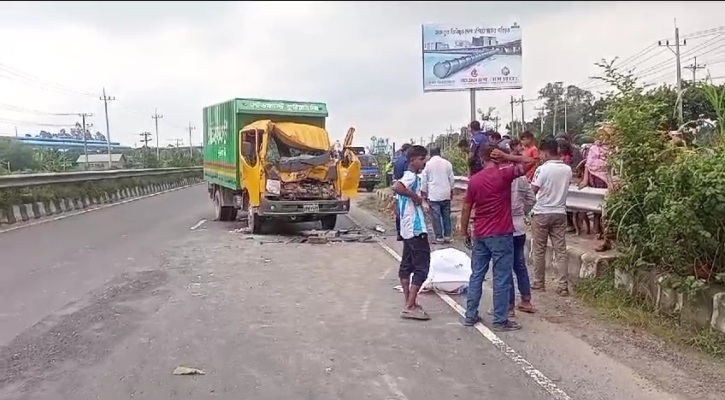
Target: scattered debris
{"x": 379, "y": 228}
{"x": 182, "y": 370}
{"x": 317, "y": 240}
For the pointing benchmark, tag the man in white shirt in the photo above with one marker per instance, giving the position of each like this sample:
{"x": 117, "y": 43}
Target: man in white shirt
{"x": 551, "y": 186}
{"x": 438, "y": 180}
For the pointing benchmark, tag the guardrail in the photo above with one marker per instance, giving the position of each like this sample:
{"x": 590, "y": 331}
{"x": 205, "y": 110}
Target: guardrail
{"x": 29, "y": 180}
{"x": 584, "y": 199}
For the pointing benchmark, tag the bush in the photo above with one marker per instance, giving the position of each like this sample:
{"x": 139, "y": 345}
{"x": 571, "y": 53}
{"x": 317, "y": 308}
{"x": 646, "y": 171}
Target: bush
{"x": 668, "y": 212}
{"x": 458, "y": 159}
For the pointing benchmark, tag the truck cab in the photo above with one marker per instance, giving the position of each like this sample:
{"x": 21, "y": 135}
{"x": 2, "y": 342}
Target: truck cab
{"x": 282, "y": 162}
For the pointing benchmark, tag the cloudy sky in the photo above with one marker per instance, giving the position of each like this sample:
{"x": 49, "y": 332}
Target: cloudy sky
{"x": 362, "y": 58}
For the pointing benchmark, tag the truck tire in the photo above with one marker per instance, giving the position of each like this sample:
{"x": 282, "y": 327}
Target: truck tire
{"x": 223, "y": 213}
{"x": 254, "y": 221}
{"x": 370, "y": 188}
{"x": 328, "y": 222}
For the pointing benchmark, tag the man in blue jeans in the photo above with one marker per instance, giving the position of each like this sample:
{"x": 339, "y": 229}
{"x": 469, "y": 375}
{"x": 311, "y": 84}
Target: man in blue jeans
{"x": 489, "y": 194}
{"x": 437, "y": 179}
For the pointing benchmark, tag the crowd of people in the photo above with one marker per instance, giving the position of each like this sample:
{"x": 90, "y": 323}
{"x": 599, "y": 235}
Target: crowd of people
{"x": 510, "y": 180}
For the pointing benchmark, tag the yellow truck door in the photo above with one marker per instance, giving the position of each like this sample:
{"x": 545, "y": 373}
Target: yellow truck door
{"x": 349, "y": 168}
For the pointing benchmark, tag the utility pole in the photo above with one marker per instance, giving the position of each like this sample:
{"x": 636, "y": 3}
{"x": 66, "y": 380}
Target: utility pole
{"x": 517, "y": 101}
{"x": 85, "y": 139}
{"x": 523, "y": 121}
{"x": 145, "y": 140}
{"x": 105, "y": 100}
{"x": 553, "y": 123}
{"x": 676, "y": 51}
{"x": 541, "y": 118}
{"x": 16, "y": 131}
{"x": 513, "y": 130}
{"x": 566, "y": 102}
{"x": 191, "y": 149}
{"x": 694, "y": 67}
{"x": 156, "y": 117}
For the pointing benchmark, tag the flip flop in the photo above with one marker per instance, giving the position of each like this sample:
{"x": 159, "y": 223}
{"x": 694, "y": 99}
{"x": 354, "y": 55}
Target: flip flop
{"x": 528, "y": 310}
{"x": 417, "y": 314}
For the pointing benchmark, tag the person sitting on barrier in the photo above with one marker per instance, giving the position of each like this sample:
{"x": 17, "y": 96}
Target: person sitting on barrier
{"x": 551, "y": 186}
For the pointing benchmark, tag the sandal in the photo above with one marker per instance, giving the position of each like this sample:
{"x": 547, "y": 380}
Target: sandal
{"x": 527, "y": 309}
{"x": 416, "y": 314}
{"x": 563, "y": 292}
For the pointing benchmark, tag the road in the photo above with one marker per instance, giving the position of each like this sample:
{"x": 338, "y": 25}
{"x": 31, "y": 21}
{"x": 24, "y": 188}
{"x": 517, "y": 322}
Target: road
{"x": 105, "y": 305}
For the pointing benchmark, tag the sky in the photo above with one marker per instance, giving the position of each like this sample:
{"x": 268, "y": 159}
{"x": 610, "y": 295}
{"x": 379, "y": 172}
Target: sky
{"x": 361, "y": 58}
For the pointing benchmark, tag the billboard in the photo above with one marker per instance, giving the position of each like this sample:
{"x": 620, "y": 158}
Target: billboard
{"x": 481, "y": 57}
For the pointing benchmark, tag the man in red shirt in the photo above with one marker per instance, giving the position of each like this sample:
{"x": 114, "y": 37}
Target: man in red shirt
{"x": 489, "y": 195}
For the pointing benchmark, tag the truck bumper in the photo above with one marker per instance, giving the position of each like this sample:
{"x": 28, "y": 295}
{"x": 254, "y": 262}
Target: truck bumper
{"x": 302, "y": 208}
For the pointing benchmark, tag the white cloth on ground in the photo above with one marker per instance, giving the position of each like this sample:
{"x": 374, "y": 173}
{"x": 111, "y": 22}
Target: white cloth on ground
{"x": 450, "y": 270}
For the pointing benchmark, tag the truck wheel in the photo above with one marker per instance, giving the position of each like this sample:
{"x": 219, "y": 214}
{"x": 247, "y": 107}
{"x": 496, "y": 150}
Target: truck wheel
{"x": 329, "y": 222}
{"x": 223, "y": 213}
{"x": 254, "y": 221}
{"x": 370, "y": 188}
{"x": 218, "y": 210}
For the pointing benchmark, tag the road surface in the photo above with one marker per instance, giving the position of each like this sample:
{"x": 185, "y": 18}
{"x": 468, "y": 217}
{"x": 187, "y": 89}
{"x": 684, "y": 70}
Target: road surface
{"x": 105, "y": 305}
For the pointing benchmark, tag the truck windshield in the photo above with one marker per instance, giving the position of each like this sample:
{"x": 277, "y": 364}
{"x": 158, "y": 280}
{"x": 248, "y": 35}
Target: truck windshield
{"x": 367, "y": 160}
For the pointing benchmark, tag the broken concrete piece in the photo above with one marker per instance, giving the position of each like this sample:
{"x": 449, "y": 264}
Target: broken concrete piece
{"x": 181, "y": 370}
{"x": 317, "y": 240}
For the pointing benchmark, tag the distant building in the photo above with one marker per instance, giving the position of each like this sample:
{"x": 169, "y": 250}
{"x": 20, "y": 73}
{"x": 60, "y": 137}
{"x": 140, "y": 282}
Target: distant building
{"x": 100, "y": 161}
{"x": 483, "y": 41}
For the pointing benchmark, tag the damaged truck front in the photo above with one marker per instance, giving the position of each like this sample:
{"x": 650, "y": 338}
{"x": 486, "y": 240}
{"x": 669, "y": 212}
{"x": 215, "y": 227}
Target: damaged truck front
{"x": 283, "y": 168}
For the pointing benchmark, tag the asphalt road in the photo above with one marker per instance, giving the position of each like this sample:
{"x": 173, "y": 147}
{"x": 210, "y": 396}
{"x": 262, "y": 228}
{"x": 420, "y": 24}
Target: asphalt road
{"x": 105, "y": 305}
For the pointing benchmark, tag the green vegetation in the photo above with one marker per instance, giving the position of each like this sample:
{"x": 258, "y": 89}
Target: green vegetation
{"x": 617, "y": 305}
{"x": 95, "y": 189}
{"x": 668, "y": 213}
{"x": 16, "y": 157}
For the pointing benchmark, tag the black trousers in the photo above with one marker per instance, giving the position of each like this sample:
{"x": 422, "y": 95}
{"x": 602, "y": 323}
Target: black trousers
{"x": 416, "y": 259}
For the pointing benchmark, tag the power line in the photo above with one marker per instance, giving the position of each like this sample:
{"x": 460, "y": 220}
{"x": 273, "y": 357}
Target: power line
{"x": 23, "y": 110}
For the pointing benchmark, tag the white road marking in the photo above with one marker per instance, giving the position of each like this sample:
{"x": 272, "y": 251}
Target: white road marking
{"x": 366, "y": 307}
{"x": 533, "y": 373}
{"x": 101, "y": 207}
{"x": 385, "y": 274}
{"x": 198, "y": 224}
{"x": 390, "y": 382}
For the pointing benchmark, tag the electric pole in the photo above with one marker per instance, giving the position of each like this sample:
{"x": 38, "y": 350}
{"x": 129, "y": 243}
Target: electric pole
{"x": 553, "y": 122}
{"x": 541, "y": 118}
{"x": 156, "y": 117}
{"x": 694, "y": 67}
{"x": 513, "y": 130}
{"x": 517, "y": 101}
{"x": 676, "y": 51}
{"x": 191, "y": 149}
{"x": 85, "y": 139}
{"x": 105, "y": 100}
{"x": 145, "y": 140}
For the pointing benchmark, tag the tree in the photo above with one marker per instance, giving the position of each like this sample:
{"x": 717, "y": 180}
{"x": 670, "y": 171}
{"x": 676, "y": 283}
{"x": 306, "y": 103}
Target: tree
{"x": 573, "y": 106}
{"x": 16, "y": 156}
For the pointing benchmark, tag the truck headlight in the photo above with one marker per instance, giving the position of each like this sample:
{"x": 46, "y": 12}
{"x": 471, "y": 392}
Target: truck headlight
{"x": 362, "y": 176}
{"x": 273, "y": 186}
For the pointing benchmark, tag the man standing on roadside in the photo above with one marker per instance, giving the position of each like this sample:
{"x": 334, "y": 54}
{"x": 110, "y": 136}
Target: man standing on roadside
{"x": 399, "y": 167}
{"x": 489, "y": 194}
{"x": 551, "y": 186}
{"x": 530, "y": 150}
{"x": 415, "y": 263}
{"x": 438, "y": 180}
{"x": 478, "y": 140}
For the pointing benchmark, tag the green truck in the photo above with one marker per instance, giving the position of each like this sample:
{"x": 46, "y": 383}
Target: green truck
{"x": 273, "y": 160}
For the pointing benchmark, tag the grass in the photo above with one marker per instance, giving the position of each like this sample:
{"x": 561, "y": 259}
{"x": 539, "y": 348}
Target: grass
{"x": 617, "y": 305}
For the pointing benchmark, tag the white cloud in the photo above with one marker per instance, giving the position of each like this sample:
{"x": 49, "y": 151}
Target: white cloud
{"x": 362, "y": 58}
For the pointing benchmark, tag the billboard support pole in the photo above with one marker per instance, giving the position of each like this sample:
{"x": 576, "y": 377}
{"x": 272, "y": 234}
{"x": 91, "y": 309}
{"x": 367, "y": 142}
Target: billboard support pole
{"x": 473, "y": 104}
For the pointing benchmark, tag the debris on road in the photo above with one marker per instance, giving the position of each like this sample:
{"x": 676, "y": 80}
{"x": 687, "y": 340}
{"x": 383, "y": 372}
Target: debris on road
{"x": 182, "y": 370}
{"x": 379, "y": 228}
